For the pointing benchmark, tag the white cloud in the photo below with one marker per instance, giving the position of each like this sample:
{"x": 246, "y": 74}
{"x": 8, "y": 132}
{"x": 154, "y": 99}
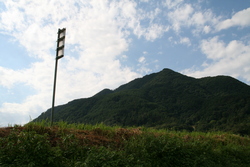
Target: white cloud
{"x": 180, "y": 16}
{"x": 144, "y": 0}
{"x": 172, "y": 3}
{"x": 95, "y": 28}
{"x": 130, "y": 17}
{"x": 143, "y": 66}
{"x": 213, "y": 48}
{"x": 206, "y": 29}
{"x": 141, "y": 59}
{"x": 240, "y": 18}
{"x": 185, "y": 41}
{"x": 144, "y": 70}
{"x": 124, "y": 57}
{"x": 154, "y": 31}
{"x": 182, "y": 40}
{"x": 98, "y": 37}
{"x": 186, "y": 15}
{"x": 152, "y": 14}
{"x": 225, "y": 59}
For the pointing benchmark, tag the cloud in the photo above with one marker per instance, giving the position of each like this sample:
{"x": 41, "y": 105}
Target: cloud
{"x": 180, "y": 16}
{"x": 141, "y": 59}
{"x": 224, "y": 59}
{"x": 172, "y": 3}
{"x": 186, "y": 15}
{"x": 133, "y": 17}
{"x": 182, "y": 40}
{"x": 143, "y": 66}
{"x": 206, "y": 29}
{"x": 185, "y": 40}
{"x": 97, "y": 35}
{"x": 240, "y": 18}
{"x": 155, "y": 31}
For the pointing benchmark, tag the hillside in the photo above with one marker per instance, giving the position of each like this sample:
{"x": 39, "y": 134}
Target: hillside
{"x": 166, "y": 99}
{"x": 71, "y": 145}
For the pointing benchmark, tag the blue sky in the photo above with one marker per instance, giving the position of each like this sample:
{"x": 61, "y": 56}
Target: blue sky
{"x": 111, "y": 42}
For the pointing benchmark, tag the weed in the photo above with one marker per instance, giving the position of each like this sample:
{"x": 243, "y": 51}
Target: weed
{"x": 63, "y": 144}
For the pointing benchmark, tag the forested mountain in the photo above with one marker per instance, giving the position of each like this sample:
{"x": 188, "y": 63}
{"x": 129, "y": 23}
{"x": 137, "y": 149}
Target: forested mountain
{"x": 166, "y": 99}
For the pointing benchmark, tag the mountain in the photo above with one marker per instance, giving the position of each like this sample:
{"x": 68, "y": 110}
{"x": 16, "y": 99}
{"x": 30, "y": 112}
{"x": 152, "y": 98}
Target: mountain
{"x": 166, "y": 99}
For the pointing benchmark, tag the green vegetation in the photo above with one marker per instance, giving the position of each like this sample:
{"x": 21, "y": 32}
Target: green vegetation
{"x": 166, "y": 100}
{"x": 38, "y": 144}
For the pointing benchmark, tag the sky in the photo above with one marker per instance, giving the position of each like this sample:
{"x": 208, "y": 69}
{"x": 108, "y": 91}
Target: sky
{"x": 111, "y": 42}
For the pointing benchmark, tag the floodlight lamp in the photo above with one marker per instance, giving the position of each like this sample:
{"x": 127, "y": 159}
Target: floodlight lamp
{"x": 61, "y": 42}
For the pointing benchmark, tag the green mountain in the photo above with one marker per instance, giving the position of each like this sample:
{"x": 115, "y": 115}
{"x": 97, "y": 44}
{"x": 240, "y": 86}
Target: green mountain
{"x": 166, "y": 99}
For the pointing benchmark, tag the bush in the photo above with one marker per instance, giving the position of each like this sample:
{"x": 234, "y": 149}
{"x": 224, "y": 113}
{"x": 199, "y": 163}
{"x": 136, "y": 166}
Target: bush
{"x": 26, "y": 149}
{"x": 38, "y": 145}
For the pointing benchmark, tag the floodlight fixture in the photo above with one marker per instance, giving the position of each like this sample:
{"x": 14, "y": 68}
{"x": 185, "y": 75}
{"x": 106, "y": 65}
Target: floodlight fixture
{"x": 60, "y": 43}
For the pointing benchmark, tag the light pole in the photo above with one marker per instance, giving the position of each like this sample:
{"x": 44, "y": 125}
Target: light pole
{"x": 59, "y": 54}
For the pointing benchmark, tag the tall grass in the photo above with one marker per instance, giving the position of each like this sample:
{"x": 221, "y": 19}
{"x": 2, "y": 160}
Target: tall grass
{"x": 39, "y": 144}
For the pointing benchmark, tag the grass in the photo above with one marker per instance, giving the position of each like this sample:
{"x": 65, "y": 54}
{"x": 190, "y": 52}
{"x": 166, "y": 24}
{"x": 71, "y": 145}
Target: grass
{"x": 38, "y": 144}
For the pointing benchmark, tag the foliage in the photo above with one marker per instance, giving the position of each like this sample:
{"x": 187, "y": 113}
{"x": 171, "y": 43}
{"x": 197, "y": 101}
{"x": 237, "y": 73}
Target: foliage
{"x": 37, "y": 144}
{"x": 166, "y": 100}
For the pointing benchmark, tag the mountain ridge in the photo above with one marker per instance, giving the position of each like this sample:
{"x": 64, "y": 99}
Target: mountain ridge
{"x": 166, "y": 99}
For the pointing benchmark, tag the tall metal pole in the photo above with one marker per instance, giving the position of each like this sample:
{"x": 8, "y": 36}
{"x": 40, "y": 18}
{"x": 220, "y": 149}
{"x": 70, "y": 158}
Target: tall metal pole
{"x": 60, "y": 47}
{"x": 54, "y": 93}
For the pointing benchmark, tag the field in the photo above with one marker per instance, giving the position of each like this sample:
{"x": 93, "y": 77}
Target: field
{"x": 39, "y": 144}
